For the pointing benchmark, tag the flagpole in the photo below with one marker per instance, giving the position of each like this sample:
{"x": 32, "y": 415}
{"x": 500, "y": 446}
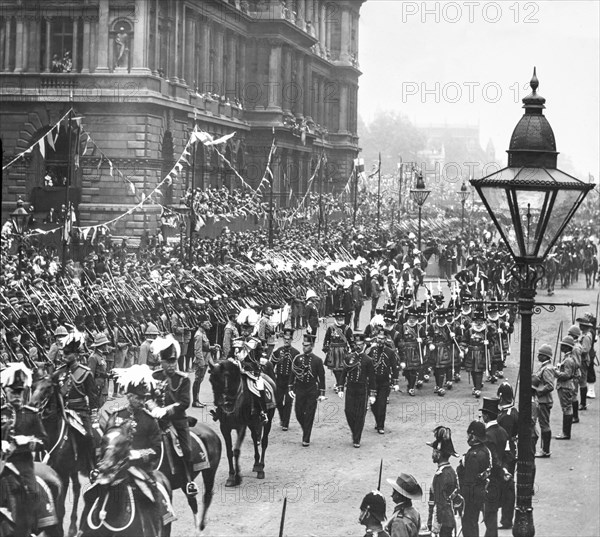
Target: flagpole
{"x": 68, "y": 185}
{"x": 320, "y": 164}
{"x": 192, "y": 215}
{"x": 271, "y": 197}
{"x": 379, "y": 194}
{"x": 355, "y": 193}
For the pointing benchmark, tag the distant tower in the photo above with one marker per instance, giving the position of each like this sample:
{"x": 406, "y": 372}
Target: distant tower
{"x": 490, "y": 151}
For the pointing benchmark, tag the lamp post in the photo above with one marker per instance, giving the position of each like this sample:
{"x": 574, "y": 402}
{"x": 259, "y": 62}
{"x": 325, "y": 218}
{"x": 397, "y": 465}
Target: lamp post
{"x": 19, "y": 218}
{"x": 531, "y": 202}
{"x": 419, "y": 195}
{"x": 464, "y": 195}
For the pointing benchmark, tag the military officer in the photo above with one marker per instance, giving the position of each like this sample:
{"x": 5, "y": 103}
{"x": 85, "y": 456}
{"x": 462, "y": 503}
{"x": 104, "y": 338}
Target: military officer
{"x": 564, "y": 373}
{"x": 337, "y": 343}
{"x": 387, "y": 371}
{"x": 357, "y": 383}
{"x": 372, "y": 514}
{"x": 307, "y": 386}
{"x": 282, "y": 359}
{"x": 405, "y": 520}
{"x": 542, "y": 382}
{"x": 410, "y": 349}
{"x": 508, "y": 419}
{"x": 98, "y": 366}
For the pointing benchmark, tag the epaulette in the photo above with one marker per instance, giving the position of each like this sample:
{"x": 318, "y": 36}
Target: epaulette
{"x": 32, "y": 408}
{"x": 181, "y": 373}
{"x": 84, "y": 367}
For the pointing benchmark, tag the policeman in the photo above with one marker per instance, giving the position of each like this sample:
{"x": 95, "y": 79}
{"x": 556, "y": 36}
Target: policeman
{"x": 174, "y": 397}
{"x": 307, "y": 386}
{"x": 22, "y": 433}
{"x": 78, "y": 388}
{"x": 386, "y": 369}
{"x": 282, "y": 359}
{"x": 357, "y": 382}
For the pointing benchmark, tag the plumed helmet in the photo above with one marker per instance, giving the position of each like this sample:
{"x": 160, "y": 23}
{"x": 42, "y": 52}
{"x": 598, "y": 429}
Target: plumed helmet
{"x": 16, "y": 376}
{"x": 443, "y": 441}
{"x": 374, "y": 502}
{"x": 505, "y": 392}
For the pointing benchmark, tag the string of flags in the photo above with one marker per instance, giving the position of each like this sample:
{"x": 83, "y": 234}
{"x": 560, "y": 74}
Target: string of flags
{"x": 50, "y": 137}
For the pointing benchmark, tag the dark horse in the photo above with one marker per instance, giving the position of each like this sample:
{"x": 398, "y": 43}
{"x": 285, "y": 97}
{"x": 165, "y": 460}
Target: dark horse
{"x": 171, "y": 466}
{"x": 123, "y": 499}
{"x": 62, "y": 453}
{"x": 590, "y": 269}
{"x": 238, "y": 409}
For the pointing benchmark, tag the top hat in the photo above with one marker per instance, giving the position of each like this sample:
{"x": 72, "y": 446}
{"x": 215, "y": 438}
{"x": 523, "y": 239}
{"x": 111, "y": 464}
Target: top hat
{"x": 339, "y": 313}
{"x": 309, "y": 338}
{"x": 443, "y": 441}
{"x": 490, "y": 405}
{"x": 407, "y": 486}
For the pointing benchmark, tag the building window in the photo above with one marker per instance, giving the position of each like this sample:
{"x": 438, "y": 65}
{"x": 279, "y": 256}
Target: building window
{"x": 61, "y": 45}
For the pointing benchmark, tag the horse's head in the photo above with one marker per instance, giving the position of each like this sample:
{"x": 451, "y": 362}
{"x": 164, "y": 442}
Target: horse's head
{"x": 42, "y": 390}
{"x": 225, "y": 378}
{"x": 114, "y": 449}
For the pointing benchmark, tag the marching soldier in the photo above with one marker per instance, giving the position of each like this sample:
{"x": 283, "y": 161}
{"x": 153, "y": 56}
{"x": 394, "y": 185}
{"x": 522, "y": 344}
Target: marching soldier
{"x": 78, "y": 388}
{"x": 311, "y": 312}
{"x": 386, "y": 369}
{"x": 440, "y": 349}
{"x": 564, "y": 373}
{"x": 202, "y": 357}
{"x": 357, "y": 382}
{"x": 476, "y": 344}
{"x": 406, "y": 520}
{"x": 336, "y": 344}
{"x": 410, "y": 349}
{"x": 282, "y": 359}
{"x": 372, "y": 514}
{"x": 307, "y": 386}
{"x": 473, "y": 474}
{"x": 443, "y": 495}
{"x": 495, "y": 348}
{"x": 98, "y": 367}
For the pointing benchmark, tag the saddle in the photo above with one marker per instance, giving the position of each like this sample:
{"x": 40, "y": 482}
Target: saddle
{"x": 172, "y": 445}
{"x": 74, "y": 421}
{"x": 258, "y": 384}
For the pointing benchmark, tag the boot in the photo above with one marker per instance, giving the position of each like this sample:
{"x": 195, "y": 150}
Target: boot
{"x": 575, "y": 412}
{"x": 583, "y": 396}
{"x": 566, "y": 434}
{"x": 544, "y": 453}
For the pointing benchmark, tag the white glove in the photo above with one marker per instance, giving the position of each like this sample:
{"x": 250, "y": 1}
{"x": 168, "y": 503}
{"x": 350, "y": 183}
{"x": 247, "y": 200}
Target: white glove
{"x": 461, "y": 354}
{"x": 419, "y": 340}
{"x": 371, "y": 400}
{"x": 402, "y": 365}
{"x": 134, "y": 454}
{"x": 486, "y": 342}
{"x": 462, "y": 326}
{"x": 396, "y": 388}
{"x": 452, "y": 335}
{"x": 292, "y": 394}
{"x": 431, "y": 347}
{"x": 341, "y": 394}
{"x": 321, "y": 398}
{"x": 158, "y": 412}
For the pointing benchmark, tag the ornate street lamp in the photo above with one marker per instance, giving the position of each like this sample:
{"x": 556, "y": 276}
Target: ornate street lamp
{"x": 464, "y": 195}
{"x": 19, "y": 218}
{"x": 531, "y": 202}
{"x": 419, "y": 195}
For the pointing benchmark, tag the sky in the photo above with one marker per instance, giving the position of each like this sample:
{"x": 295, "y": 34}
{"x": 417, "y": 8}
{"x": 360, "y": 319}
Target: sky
{"x": 470, "y": 62}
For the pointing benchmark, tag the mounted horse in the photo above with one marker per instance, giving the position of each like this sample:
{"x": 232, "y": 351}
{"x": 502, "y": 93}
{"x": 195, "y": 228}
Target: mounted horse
{"x": 62, "y": 454}
{"x": 590, "y": 268}
{"x": 124, "y": 499}
{"x": 238, "y": 408}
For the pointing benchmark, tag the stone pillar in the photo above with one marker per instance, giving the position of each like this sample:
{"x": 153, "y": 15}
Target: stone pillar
{"x": 190, "y": 33}
{"x": 156, "y": 65}
{"x": 298, "y": 89}
{"x": 7, "y": 40}
{"x": 307, "y": 88}
{"x": 321, "y": 100}
{"x": 345, "y": 35}
{"x": 102, "y": 36}
{"x": 274, "y": 86}
{"x": 75, "y": 47}
{"x": 140, "y": 38}
{"x": 300, "y": 14}
{"x": 20, "y": 46}
{"x": 230, "y": 89}
{"x": 204, "y": 57}
{"x": 343, "y": 121}
{"x": 286, "y": 79}
{"x": 85, "y": 65}
{"x": 240, "y": 91}
{"x": 218, "y": 65}
{"x": 174, "y": 52}
{"x": 323, "y": 27}
{"x": 5, "y": 22}
{"x": 308, "y": 12}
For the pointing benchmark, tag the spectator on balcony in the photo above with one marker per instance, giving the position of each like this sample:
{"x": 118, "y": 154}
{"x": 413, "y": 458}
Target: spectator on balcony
{"x": 67, "y": 62}
{"x": 57, "y": 66}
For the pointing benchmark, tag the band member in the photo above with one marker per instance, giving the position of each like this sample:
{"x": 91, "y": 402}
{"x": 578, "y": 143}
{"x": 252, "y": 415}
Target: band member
{"x": 387, "y": 371}
{"x": 357, "y": 384}
{"x": 337, "y": 343}
{"x": 282, "y": 359}
{"x": 410, "y": 349}
{"x": 307, "y": 386}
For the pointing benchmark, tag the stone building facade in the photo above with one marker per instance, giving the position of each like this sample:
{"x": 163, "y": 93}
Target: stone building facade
{"x": 142, "y": 73}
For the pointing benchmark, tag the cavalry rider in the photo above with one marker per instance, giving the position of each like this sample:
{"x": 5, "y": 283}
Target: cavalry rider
{"x": 22, "y": 433}
{"x": 386, "y": 369}
{"x": 248, "y": 351}
{"x": 440, "y": 351}
{"x": 78, "y": 389}
{"x": 358, "y": 378}
{"x": 410, "y": 349}
{"x": 174, "y": 397}
{"x": 337, "y": 343}
{"x": 282, "y": 359}
{"x": 476, "y": 344}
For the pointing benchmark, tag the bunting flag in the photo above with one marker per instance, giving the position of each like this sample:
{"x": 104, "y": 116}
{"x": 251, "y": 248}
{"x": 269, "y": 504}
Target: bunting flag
{"x": 39, "y": 143}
